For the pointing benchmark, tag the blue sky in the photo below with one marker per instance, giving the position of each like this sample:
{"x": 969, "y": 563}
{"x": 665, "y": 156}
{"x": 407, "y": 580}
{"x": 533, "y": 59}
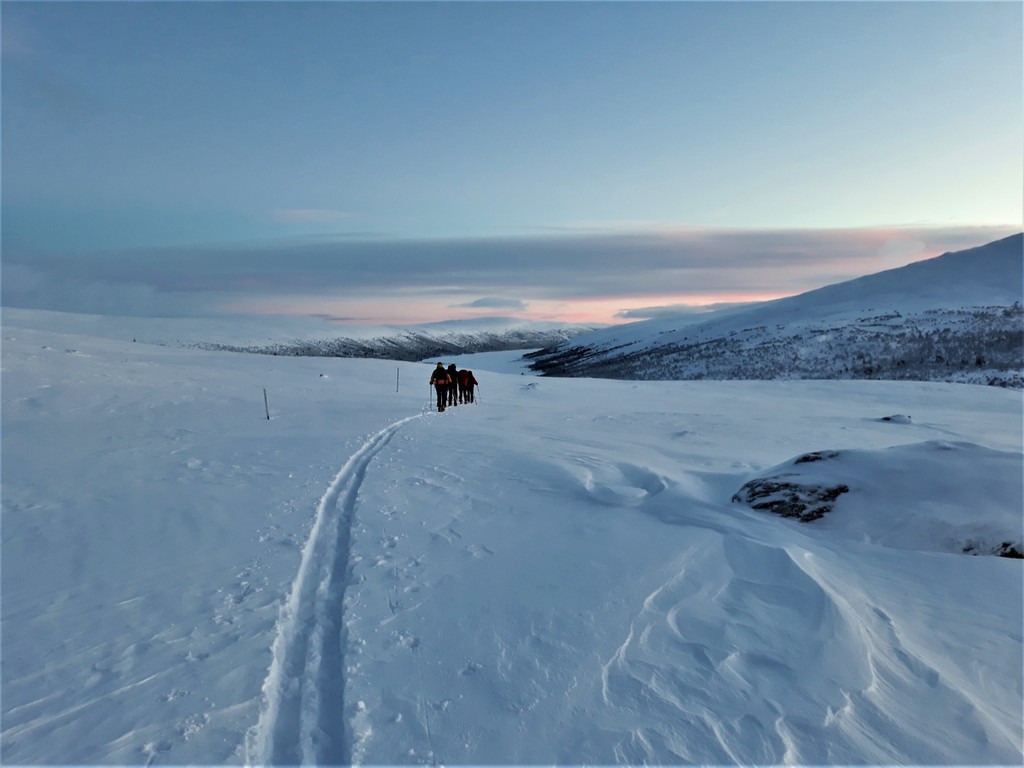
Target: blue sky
{"x": 313, "y": 157}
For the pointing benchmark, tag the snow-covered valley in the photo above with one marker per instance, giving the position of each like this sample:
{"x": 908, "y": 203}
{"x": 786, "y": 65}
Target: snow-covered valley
{"x": 556, "y": 574}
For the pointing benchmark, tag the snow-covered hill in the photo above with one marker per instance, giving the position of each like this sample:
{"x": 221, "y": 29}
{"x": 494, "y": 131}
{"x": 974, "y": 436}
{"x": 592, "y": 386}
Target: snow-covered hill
{"x": 558, "y": 574}
{"x": 419, "y": 343}
{"x": 957, "y": 317}
{"x": 313, "y": 336}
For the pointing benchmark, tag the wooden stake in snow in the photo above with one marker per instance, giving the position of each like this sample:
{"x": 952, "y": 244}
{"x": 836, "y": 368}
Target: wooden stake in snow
{"x": 266, "y": 406}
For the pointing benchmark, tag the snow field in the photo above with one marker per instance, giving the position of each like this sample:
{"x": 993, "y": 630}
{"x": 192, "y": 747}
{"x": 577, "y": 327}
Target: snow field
{"x": 556, "y": 574}
{"x": 740, "y": 650}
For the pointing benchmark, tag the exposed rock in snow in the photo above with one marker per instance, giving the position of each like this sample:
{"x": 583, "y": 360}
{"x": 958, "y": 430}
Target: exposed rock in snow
{"x": 788, "y": 499}
{"x": 898, "y": 418}
{"x": 912, "y": 514}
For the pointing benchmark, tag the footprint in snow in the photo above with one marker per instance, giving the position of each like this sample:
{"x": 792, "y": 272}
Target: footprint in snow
{"x": 192, "y": 724}
{"x": 405, "y": 639}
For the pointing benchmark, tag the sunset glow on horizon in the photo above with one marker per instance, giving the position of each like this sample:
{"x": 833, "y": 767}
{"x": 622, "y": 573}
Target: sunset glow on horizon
{"x": 582, "y": 311}
{"x": 405, "y": 162}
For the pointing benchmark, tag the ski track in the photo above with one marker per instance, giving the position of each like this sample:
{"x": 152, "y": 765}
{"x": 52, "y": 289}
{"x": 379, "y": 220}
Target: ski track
{"x": 303, "y": 716}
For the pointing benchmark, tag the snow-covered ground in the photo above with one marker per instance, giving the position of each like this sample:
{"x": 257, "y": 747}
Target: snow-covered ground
{"x": 554, "y": 575}
{"x": 955, "y": 318}
{"x": 510, "y": 361}
{"x": 262, "y": 330}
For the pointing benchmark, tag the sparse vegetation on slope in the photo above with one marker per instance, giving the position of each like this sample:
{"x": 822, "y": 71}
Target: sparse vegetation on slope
{"x": 954, "y": 318}
{"x": 979, "y": 345}
{"x": 410, "y": 345}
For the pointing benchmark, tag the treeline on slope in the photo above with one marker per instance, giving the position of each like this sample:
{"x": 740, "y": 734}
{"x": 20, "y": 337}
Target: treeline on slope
{"x": 409, "y": 346}
{"x": 980, "y": 345}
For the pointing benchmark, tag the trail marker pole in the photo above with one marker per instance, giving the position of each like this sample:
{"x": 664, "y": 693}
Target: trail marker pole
{"x": 398, "y": 376}
{"x": 266, "y": 406}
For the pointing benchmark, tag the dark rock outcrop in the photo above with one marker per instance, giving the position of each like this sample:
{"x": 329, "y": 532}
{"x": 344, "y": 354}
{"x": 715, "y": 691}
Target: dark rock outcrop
{"x": 790, "y": 499}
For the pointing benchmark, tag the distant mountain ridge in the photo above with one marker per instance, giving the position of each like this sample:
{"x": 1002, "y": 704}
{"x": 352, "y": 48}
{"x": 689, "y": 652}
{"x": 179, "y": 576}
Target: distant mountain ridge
{"x": 441, "y": 340}
{"x": 955, "y": 317}
{"x": 312, "y": 336}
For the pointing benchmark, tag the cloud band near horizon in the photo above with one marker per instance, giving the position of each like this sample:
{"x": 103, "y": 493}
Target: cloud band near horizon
{"x": 624, "y": 275}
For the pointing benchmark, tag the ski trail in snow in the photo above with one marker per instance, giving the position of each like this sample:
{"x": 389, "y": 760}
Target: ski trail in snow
{"x": 302, "y": 720}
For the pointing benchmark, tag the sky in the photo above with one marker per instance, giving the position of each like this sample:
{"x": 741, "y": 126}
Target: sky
{"x": 579, "y": 161}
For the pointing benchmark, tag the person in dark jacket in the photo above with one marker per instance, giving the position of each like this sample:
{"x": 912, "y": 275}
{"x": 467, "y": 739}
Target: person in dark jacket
{"x": 453, "y": 387}
{"x": 441, "y": 381}
{"x": 466, "y": 381}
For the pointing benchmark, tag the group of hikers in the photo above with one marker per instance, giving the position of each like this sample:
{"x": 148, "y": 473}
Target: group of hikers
{"x": 452, "y": 385}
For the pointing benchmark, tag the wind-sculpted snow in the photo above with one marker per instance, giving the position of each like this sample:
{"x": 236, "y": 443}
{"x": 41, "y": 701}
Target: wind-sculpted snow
{"x": 778, "y": 668}
{"x": 721, "y": 705}
{"x": 555, "y": 575}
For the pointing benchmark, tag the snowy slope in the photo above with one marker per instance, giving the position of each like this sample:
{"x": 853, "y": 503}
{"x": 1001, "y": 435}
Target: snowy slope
{"x": 557, "y": 574}
{"x": 310, "y": 335}
{"x": 963, "y": 305}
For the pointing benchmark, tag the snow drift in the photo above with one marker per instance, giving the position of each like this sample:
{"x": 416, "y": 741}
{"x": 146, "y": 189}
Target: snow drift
{"x": 906, "y": 496}
{"x": 554, "y": 575}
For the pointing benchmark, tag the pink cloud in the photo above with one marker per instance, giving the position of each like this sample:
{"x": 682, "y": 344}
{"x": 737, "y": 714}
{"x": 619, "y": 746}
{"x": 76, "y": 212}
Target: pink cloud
{"x": 576, "y": 278}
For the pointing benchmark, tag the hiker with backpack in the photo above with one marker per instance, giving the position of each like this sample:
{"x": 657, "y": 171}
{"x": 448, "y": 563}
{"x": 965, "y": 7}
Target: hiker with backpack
{"x": 453, "y": 387}
{"x": 466, "y": 381}
{"x": 442, "y": 382}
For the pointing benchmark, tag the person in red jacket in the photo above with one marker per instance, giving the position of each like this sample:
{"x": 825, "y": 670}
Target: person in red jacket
{"x": 466, "y": 381}
{"x": 441, "y": 381}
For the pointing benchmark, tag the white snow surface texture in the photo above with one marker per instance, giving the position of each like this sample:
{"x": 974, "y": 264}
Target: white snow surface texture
{"x": 555, "y": 574}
